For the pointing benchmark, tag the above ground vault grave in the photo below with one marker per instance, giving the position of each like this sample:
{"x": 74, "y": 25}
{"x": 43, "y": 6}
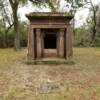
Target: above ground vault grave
{"x": 49, "y": 35}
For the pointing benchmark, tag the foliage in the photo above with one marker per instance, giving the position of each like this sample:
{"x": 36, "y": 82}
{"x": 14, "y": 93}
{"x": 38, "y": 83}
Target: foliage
{"x": 75, "y": 5}
{"x": 52, "y": 4}
{"x": 93, "y": 11}
{"x": 10, "y": 36}
{"x": 14, "y": 5}
{"x": 11, "y": 27}
{"x": 93, "y": 25}
{"x": 83, "y": 36}
{"x": 23, "y": 33}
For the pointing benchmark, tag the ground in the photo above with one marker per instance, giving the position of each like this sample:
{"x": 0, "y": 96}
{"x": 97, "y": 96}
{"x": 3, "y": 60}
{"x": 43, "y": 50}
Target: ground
{"x": 79, "y": 81}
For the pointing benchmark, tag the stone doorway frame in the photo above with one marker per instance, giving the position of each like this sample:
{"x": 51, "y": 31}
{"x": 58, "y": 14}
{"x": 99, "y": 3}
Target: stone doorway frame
{"x": 54, "y": 32}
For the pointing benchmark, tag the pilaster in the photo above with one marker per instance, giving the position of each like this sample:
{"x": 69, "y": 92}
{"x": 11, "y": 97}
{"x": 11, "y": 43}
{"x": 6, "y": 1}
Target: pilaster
{"x": 61, "y": 43}
{"x": 39, "y": 43}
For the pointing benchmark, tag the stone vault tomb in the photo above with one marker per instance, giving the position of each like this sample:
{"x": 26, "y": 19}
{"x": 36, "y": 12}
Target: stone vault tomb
{"x": 49, "y": 35}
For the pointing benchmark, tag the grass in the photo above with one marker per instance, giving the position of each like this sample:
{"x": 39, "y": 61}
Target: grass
{"x": 19, "y": 81}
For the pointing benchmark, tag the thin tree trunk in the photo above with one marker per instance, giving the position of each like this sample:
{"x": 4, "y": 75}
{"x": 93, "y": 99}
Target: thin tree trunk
{"x": 94, "y": 26}
{"x": 6, "y": 34}
{"x": 74, "y": 27}
{"x": 4, "y": 41}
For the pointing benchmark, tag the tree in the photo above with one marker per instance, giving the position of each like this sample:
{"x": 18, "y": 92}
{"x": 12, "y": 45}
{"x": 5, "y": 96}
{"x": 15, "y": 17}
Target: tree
{"x": 14, "y": 6}
{"x": 7, "y": 21}
{"x": 52, "y": 4}
{"x": 75, "y": 5}
{"x": 93, "y": 10}
{"x": 93, "y": 23}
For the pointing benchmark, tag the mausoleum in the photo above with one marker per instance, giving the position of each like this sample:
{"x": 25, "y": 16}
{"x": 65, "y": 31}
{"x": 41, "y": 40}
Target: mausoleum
{"x": 50, "y": 35}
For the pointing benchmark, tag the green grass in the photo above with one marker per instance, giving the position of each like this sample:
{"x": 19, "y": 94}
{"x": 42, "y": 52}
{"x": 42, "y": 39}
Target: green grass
{"x": 80, "y": 81}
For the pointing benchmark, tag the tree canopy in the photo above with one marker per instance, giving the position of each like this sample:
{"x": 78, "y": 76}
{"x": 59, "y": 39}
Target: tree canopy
{"x": 10, "y": 24}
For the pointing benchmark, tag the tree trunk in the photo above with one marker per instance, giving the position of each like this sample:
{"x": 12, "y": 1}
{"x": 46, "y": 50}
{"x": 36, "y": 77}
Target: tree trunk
{"x": 3, "y": 36}
{"x": 73, "y": 13}
{"x": 16, "y": 30}
{"x": 14, "y": 6}
{"x": 94, "y": 26}
{"x": 4, "y": 41}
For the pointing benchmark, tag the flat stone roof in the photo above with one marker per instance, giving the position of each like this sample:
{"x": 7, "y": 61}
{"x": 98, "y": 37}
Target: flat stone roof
{"x": 49, "y": 14}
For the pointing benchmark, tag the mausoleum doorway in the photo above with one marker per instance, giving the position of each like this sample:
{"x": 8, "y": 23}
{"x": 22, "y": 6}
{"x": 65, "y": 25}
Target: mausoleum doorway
{"x": 50, "y": 43}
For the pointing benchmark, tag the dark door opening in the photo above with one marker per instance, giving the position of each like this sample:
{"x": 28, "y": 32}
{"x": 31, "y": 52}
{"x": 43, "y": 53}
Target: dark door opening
{"x": 50, "y": 41}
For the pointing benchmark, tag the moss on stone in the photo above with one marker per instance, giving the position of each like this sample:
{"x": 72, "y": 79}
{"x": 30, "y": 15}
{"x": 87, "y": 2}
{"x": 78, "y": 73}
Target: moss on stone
{"x": 52, "y": 14}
